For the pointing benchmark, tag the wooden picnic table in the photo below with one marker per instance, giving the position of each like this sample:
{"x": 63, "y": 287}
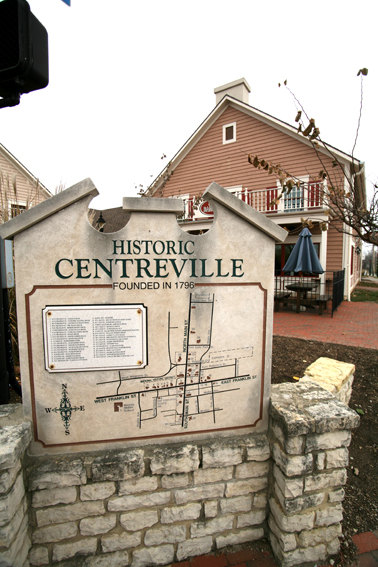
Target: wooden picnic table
{"x": 302, "y": 288}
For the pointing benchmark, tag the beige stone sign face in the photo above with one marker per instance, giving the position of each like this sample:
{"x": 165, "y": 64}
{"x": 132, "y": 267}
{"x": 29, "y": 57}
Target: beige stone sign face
{"x": 146, "y": 334}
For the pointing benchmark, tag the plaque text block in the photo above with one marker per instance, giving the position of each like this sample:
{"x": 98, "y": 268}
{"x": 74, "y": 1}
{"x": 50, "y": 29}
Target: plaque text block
{"x": 94, "y": 337}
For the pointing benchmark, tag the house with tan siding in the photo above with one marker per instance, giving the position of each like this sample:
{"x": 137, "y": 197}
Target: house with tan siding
{"x": 19, "y": 188}
{"x": 218, "y": 151}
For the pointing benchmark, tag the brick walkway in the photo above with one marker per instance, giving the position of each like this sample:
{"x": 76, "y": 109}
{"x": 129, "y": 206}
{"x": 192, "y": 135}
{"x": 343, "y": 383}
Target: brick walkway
{"x": 354, "y": 324}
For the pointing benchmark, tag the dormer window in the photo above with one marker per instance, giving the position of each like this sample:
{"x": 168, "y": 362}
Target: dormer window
{"x": 229, "y": 133}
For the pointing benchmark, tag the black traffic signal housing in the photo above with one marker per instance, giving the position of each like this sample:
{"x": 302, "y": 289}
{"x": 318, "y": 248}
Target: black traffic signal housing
{"x": 23, "y": 51}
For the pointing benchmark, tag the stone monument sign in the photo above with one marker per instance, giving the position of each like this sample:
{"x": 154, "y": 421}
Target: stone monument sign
{"x": 146, "y": 334}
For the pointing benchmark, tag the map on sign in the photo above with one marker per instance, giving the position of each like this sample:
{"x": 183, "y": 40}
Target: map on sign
{"x": 205, "y": 381}
{"x": 183, "y": 360}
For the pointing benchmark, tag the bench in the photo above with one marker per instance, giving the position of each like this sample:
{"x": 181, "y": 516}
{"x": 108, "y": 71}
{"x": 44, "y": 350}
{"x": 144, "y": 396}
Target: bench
{"x": 280, "y": 296}
{"x": 320, "y": 300}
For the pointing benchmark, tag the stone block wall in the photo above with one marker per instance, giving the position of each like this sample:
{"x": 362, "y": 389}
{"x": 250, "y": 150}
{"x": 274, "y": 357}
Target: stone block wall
{"x": 310, "y": 431}
{"x": 159, "y": 504}
{"x": 15, "y": 436}
{"x": 149, "y": 506}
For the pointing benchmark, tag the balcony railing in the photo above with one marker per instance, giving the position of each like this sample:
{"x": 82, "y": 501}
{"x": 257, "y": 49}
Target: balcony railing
{"x": 307, "y": 197}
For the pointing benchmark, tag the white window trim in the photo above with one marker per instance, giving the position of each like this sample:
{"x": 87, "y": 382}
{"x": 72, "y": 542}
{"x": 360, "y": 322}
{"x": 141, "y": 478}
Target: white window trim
{"x": 17, "y": 203}
{"x": 233, "y": 124}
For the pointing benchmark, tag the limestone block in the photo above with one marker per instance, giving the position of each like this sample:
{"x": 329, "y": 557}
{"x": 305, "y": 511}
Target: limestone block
{"x": 260, "y": 500}
{"x": 118, "y": 542}
{"x": 240, "y": 487}
{"x": 337, "y": 477}
{"x": 320, "y": 461}
{"x": 330, "y": 515}
{"x": 292, "y": 465}
{"x": 119, "y": 466}
{"x": 9, "y": 530}
{"x": 251, "y": 534}
{"x": 204, "y": 476}
{"x": 8, "y": 477}
{"x": 297, "y": 556}
{"x": 57, "y": 473}
{"x": 295, "y": 505}
{"x": 222, "y": 454}
{"x": 305, "y": 407}
{"x": 252, "y": 469}
{"x": 331, "y": 375}
{"x": 16, "y": 555}
{"x": 116, "y": 559}
{"x": 211, "y": 509}
{"x": 332, "y": 416}
{"x": 257, "y": 447}
{"x": 97, "y": 525}
{"x": 177, "y": 460}
{"x": 125, "y": 503}
{"x": 97, "y": 491}
{"x": 295, "y": 523}
{"x": 337, "y": 458}
{"x": 253, "y": 518}
{"x": 234, "y": 505}
{"x": 199, "y": 493}
{"x": 11, "y": 501}
{"x": 329, "y": 440}
{"x": 287, "y": 541}
{"x": 135, "y": 521}
{"x": 63, "y": 551}
{"x": 174, "y": 480}
{"x": 14, "y": 533}
{"x": 291, "y": 445}
{"x": 144, "y": 484}
{"x": 215, "y": 525}
{"x": 336, "y": 495}
{"x": 53, "y": 496}
{"x": 14, "y": 439}
{"x": 193, "y": 547}
{"x": 39, "y": 556}
{"x": 153, "y": 556}
{"x": 69, "y": 513}
{"x": 49, "y": 534}
{"x": 290, "y": 487}
{"x": 165, "y": 534}
{"x": 333, "y": 547}
{"x": 190, "y": 511}
{"x": 286, "y": 412}
{"x": 319, "y": 535}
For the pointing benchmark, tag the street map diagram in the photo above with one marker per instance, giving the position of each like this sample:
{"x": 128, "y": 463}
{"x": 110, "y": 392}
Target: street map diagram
{"x": 212, "y": 379}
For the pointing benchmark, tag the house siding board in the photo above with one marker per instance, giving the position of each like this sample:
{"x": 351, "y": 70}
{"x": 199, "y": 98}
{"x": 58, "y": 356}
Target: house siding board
{"x": 26, "y": 190}
{"x": 211, "y": 160}
{"x": 334, "y": 249}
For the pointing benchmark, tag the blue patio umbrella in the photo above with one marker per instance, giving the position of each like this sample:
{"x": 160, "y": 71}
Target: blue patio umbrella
{"x": 303, "y": 257}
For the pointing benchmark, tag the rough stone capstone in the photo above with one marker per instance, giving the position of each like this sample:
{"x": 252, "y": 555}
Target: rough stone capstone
{"x": 119, "y": 466}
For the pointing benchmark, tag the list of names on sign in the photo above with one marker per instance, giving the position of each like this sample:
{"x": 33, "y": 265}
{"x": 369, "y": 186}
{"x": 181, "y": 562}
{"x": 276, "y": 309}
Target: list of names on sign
{"x": 94, "y": 337}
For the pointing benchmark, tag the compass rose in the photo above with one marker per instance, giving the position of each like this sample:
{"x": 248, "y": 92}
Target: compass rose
{"x": 65, "y": 409}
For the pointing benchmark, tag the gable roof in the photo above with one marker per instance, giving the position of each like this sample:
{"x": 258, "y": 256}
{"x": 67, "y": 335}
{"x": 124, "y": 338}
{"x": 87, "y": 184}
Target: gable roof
{"x": 23, "y": 170}
{"x": 229, "y": 101}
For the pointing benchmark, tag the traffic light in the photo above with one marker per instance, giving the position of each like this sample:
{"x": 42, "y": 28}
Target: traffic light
{"x": 23, "y": 50}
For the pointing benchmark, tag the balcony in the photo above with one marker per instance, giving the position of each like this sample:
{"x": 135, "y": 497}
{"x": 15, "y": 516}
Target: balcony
{"x": 307, "y": 197}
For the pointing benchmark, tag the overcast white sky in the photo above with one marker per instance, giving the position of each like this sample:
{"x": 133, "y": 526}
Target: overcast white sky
{"x": 132, "y": 80}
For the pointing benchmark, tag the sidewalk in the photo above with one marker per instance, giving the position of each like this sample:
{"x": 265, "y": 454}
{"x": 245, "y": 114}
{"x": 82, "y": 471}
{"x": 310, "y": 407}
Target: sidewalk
{"x": 354, "y": 324}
